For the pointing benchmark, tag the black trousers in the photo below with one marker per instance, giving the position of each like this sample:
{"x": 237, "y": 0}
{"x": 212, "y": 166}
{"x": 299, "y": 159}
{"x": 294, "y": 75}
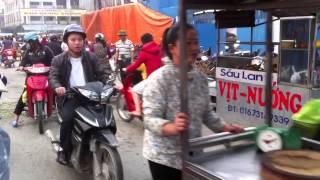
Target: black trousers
{"x": 123, "y": 63}
{"x": 4, "y": 81}
{"x": 66, "y": 111}
{"x": 20, "y": 105}
{"x": 162, "y": 172}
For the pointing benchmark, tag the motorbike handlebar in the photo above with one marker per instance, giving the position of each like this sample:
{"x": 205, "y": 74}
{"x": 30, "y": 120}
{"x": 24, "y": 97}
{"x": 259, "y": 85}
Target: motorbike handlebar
{"x": 68, "y": 94}
{"x": 25, "y": 69}
{"x": 28, "y": 69}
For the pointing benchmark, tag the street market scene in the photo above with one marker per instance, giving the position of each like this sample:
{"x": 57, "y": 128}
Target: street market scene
{"x": 159, "y": 90}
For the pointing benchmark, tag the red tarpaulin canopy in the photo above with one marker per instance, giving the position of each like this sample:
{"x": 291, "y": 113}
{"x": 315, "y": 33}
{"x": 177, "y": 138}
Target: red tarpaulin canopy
{"x": 135, "y": 19}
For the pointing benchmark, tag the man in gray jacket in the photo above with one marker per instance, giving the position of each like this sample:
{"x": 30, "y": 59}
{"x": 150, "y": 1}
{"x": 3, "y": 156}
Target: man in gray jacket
{"x": 74, "y": 67}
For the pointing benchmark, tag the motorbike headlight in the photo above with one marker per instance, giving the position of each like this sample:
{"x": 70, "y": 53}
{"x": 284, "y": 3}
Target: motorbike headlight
{"x": 106, "y": 93}
{"x": 89, "y": 94}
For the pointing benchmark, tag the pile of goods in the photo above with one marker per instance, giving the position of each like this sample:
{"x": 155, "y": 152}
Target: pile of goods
{"x": 257, "y": 64}
{"x": 206, "y": 67}
{"x": 291, "y": 165}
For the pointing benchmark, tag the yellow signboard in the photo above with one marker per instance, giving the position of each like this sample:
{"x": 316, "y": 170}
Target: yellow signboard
{"x": 51, "y": 12}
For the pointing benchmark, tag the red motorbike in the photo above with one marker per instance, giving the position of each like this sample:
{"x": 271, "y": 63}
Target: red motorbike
{"x": 125, "y": 100}
{"x": 9, "y": 56}
{"x": 39, "y": 94}
{"x": 125, "y": 103}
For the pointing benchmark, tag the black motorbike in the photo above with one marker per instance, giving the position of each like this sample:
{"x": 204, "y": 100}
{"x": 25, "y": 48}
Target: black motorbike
{"x": 93, "y": 136}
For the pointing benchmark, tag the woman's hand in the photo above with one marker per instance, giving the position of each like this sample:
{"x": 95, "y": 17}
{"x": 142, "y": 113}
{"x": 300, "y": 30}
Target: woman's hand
{"x": 60, "y": 91}
{"x": 20, "y": 68}
{"x": 179, "y": 125}
{"x": 233, "y": 128}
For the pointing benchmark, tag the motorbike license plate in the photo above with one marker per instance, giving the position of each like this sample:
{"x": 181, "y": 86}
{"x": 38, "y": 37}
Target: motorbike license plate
{"x": 10, "y": 57}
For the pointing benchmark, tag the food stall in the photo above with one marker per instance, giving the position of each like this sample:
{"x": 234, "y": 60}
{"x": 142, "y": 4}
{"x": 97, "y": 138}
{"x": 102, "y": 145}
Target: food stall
{"x": 262, "y": 97}
{"x": 241, "y": 77}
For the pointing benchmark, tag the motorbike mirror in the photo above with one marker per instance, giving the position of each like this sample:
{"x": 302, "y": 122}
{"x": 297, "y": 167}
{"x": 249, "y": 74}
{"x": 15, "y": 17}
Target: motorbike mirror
{"x": 108, "y": 85}
{"x": 204, "y": 58}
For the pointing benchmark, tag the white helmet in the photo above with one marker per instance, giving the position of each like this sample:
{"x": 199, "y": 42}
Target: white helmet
{"x": 99, "y": 36}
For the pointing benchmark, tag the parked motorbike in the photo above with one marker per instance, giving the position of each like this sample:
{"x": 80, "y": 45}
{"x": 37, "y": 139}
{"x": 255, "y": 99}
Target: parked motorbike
{"x": 93, "y": 136}
{"x": 39, "y": 94}
{"x": 9, "y": 57}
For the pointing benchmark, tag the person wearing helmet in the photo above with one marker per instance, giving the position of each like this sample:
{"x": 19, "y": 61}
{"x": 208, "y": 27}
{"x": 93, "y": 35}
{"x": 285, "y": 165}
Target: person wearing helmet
{"x": 124, "y": 51}
{"x": 54, "y": 45}
{"x": 7, "y": 43}
{"x": 35, "y": 54}
{"x": 101, "y": 49}
{"x": 44, "y": 40}
{"x": 73, "y": 68}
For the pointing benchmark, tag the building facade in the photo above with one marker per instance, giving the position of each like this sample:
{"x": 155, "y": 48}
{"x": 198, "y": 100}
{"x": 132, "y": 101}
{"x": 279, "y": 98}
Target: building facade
{"x": 87, "y": 4}
{"x": 1, "y": 14}
{"x": 40, "y": 15}
{"x": 91, "y": 5}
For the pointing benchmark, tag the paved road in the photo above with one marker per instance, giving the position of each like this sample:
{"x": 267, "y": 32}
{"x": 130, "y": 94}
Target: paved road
{"x": 32, "y": 157}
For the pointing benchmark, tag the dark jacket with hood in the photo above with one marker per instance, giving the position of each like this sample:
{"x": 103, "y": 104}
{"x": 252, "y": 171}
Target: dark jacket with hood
{"x": 150, "y": 55}
{"x": 61, "y": 70}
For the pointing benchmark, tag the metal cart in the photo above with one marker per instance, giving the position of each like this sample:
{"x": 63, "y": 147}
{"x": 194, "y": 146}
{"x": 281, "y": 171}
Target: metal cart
{"x": 229, "y": 156}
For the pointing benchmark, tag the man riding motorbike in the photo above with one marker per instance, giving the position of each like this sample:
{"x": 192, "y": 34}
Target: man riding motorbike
{"x": 7, "y": 43}
{"x": 74, "y": 67}
{"x": 101, "y": 49}
{"x": 35, "y": 54}
{"x": 124, "y": 51}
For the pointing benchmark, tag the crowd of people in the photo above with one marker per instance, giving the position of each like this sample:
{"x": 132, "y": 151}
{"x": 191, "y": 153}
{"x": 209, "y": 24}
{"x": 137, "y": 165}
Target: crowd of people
{"x": 75, "y": 62}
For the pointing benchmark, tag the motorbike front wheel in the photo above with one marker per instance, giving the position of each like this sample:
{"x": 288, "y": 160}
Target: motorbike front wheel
{"x": 122, "y": 109}
{"x": 106, "y": 164}
{"x": 40, "y": 115}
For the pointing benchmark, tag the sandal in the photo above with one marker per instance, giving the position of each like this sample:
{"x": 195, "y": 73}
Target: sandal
{"x": 14, "y": 123}
{"x": 136, "y": 114}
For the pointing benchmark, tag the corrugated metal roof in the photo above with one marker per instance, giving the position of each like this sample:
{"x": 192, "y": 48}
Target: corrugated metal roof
{"x": 278, "y": 7}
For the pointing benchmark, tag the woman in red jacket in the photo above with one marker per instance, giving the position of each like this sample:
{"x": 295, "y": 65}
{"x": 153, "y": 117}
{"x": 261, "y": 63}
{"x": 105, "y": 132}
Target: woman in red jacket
{"x": 150, "y": 55}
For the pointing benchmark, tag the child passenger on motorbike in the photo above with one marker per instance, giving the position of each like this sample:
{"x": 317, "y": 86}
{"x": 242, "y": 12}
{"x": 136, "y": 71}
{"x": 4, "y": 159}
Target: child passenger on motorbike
{"x": 163, "y": 120}
{"x": 74, "y": 67}
{"x": 35, "y": 54}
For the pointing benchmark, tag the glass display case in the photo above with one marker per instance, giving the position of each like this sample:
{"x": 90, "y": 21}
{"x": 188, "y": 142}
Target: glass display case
{"x": 316, "y": 72}
{"x": 296, "y": 50}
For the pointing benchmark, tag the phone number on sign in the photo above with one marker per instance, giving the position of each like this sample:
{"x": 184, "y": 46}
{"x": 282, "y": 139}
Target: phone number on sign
{"x": 258, "y": 114}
